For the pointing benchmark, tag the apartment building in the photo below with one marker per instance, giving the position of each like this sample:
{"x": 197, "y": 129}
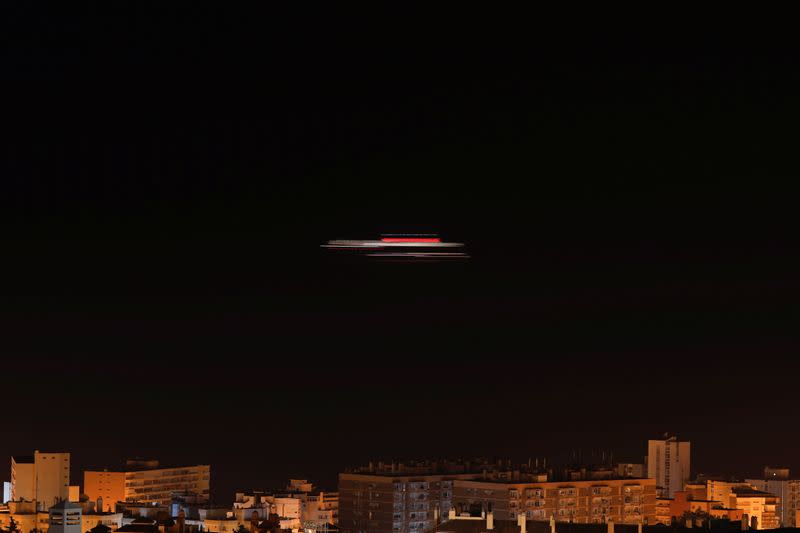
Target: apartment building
{"x": 759, "y": 508}
{"x": 721, "y": 491}
{"x": 668, "y": 462}
{"x": 146, "y": 482}
{"x": 630, "y": 501}
{"x": 777, "y": 482}
{"x": 42, "y": 477}
{"x": 28, "y": 518}
{"x": 321, "y": 508}
{"x": 394, "y": 502}
{"x": 301, "y": 504}
{"x": 669, "y": 510}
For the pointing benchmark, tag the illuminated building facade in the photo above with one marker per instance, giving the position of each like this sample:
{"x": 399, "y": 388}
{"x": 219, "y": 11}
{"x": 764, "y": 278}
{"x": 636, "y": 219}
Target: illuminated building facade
{"x": 630, "y": 501}
{"x": 759, "y": 508}
{"x": 321, "y": 507}
{"x": 301, "y": 504}
{"x": 42, "y": 477}
{"x": 669, "y": 510}
{"x": 29, "y": 519}
{"x": 147, "y": 483}
{"x": 777, "y": 482}
{"x": 668, "y": 463}
{"x": 394, "y": 503}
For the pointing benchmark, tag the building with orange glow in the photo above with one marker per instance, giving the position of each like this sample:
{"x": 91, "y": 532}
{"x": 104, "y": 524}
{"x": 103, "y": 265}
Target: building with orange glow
{"x": 42, "y": 477}
{"x": 759, "y": 508}
{"x": 668, "y": 510}
{"x": 108, "y": 486}
{"x": 624, "y": 501}
{"x": 146, "y": 482}
{"x": 776, "y": 481}
{"x": 28, "y": 518}
{"x": 301, "y": 501}
{"x": 663, "y": 512}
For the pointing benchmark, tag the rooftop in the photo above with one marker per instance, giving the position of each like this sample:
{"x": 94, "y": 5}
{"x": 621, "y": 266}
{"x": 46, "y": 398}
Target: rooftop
{"x": 143, "y": 468}
{"x": 748, "y": 491}
{"x": 139, "y": 528}
{"x": 510, "y": 526}
{"x": 66, "y": 504}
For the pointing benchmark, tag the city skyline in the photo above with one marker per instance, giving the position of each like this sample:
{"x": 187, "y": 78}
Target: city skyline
{"x": 170, "y": 178}
{"x": 403, "y": 497}
{"x": 223, "y": 491}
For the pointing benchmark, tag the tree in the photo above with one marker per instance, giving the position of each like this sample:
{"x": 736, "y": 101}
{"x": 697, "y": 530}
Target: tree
{"x": 698, "y": 518}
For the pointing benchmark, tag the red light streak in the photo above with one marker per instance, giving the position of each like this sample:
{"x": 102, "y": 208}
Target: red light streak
{"x": 411, "y": 239}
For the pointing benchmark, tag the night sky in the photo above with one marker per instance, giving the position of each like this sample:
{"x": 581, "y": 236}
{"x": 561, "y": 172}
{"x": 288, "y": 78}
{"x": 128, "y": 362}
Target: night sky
{"x": 628, "y": 195}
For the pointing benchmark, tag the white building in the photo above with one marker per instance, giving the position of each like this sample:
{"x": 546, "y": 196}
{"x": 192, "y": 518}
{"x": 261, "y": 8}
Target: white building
{"x": 787, "y": 490}
{"x": 668, "y": 464}
{"x": 299, "y": 507}
{"x": 43, "y": 477}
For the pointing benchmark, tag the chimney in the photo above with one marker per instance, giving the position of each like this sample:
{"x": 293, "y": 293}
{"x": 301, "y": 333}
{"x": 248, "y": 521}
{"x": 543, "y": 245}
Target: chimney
{"x": 489, "y": 521}
{"x": 99, "y": 504}
{"x": 610, "y": 526}
{"x": 522, "y": 522}
{"x": 552, "y": 523}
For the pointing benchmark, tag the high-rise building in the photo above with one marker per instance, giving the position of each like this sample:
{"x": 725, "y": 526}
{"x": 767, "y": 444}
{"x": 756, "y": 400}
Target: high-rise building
{"x": 668, "y": 463}
{"x": 146, "y": 482}
{"x": 42, "y": 477}
{"x": 22, "y": 478}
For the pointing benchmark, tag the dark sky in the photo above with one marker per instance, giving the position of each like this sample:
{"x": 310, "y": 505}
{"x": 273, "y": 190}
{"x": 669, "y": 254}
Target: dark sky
{"x": 628, "y": 194}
